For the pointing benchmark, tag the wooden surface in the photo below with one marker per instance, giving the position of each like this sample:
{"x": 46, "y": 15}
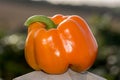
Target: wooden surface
{"x": 69, "y": 75}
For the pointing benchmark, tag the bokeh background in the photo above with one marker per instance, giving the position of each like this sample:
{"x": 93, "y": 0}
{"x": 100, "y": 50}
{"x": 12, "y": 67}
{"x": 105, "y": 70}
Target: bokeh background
{"x": 102, "y": 17}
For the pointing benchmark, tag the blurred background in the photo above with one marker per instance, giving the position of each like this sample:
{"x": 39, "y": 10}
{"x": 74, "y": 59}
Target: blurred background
{"x": 103, "y": 17}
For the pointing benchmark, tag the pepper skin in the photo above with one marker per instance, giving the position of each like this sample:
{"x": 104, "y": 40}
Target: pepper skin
{"x": 54, "y": 49}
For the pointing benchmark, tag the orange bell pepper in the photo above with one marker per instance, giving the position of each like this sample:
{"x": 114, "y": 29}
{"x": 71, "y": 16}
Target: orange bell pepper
{"x": 55, "y": 43}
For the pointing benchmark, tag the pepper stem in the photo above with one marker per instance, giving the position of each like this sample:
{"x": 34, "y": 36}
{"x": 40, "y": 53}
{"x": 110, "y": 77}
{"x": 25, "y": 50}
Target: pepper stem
{"x": 40, "y": 18}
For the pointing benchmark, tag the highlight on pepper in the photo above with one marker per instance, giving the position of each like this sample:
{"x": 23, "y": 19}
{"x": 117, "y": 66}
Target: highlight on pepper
{"x": 54, "y": 44}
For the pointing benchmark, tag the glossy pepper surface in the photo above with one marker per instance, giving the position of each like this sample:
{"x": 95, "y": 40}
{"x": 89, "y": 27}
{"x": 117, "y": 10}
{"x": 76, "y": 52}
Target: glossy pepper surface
{"x": 55, "y": 43}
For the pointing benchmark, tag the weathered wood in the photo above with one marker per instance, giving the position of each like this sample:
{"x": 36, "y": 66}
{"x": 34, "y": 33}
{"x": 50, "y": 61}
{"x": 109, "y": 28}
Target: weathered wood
{"x": 69, "y": 75}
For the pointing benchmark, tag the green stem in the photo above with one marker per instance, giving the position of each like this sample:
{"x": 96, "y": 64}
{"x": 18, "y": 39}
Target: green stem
{"x": 40, "y": 18}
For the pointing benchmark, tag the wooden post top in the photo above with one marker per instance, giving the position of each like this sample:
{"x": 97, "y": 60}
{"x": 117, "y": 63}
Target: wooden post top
{"x": 69, "y": 75}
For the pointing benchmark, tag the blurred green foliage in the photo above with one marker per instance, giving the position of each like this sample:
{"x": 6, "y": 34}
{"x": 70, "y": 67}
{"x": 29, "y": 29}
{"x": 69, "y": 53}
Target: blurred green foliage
{"x": 108, "y": 61}
{"x": 12, "y": 61}
{"x": 107, "y": 64}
